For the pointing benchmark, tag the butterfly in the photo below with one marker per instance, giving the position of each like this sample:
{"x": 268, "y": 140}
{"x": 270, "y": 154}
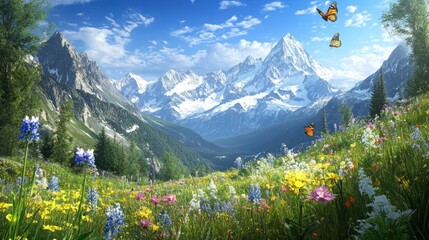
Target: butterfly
{"x": 335, "y": 41}
{"x": 331, "y": 14}
{"x": 309, "y": 130}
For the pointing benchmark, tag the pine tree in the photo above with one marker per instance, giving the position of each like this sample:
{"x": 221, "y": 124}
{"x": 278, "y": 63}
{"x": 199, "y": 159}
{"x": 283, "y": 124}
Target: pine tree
{"x": 346, "y": 114}
{"x": 63, "y": 151}
{"x": 172, "y": 167}
{"x": 18, "y": 78}
{"x": 324, "y": 122}
{"x": 103, "y": 152}
{"x": 410, "y": 19}
{"x": 47, "y": 147}
{"x": 378, "y": 96}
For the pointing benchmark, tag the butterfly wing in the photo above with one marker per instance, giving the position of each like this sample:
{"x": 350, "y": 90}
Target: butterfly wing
{"x": 309, "y": 130}
{"x": 331, "y": 14}
{"x": 335, "y": 42}
{"x": 322, "y": 14}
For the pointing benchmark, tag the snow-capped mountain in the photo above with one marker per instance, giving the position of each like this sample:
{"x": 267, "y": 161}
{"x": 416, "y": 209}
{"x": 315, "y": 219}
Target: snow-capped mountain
{"x": 254, "y": 93}
{"x": 61, "y": 62}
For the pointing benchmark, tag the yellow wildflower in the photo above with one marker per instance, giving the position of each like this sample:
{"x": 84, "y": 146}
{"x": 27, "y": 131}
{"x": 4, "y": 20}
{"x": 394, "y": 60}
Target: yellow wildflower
{"x": 323, "y": 165}
{"x": 4, "y": 206}
{"x": 9, "y": 217}
{"x": 144, "y": 213}
{"x": 352, "y": 145}
{"x": 52, "y": 228}
{"x": 427, "y": 112}
{"x": 155, "y": 227}
{"x": 296, "y": 180}
{"x": 29, "y": 215}
{"x": 86, "y": 218}
{"x": 332, "y": 176}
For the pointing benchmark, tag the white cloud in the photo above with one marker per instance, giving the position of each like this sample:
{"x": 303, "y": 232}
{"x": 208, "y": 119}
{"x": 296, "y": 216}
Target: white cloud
{"x": 358, "y": 20}
{"x": 107, "y": 45}
{"x": 320, "y": 39}
{"x": 360, "y": 65}
{"x": 249, "y": 22}
{"x": 351, "y": 9}
{"x": 182, "y": 31}
{"x": 226, "y": 4}
{"x": 192, "y": 1}
{"x": 309, "y": 10}
{"x": 272, "y": 6}
{"x": 68, "y": 2}
{"x": 79, "y": 14}
{"x": 210, "y": 33}
{"x": 153, "y": 42}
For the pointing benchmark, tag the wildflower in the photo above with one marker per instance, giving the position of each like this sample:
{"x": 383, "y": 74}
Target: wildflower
{"x": 53, "y": 184}
{"x": 232, "y": 192}
{"x": 170, "y": 199}
{"x": 145, "y": 223}
{"x": 254, "y": 193}
{"x": 85, "y": 158}
{"x": 92, "y": 198}
{"x": 164, "y": 219}
{"x": 155, "y": 200}
{"x": 365, "y": 186}
{"x": 350, "y": 201}
{"x": 369, "y": 137}
{"x": 297, "y": 180}
{"x": 19, "y": 180}
{"x": 115, "y": 220}
{"x": 238, "y": 162}
{"x": 52, "y": 228}
{"x": 29, "y": 129}
{"x": 140, "y": 196}
{"x": 144, "y": 213}
{"x": 213, "y": 189}
{"x": 321, "y": 194}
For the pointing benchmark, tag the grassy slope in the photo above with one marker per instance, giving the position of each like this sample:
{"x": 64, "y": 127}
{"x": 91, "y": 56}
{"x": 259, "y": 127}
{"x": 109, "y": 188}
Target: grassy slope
{"x": 396, "y": 165}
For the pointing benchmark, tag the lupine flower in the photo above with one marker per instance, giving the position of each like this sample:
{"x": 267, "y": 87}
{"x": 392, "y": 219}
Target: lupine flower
{"x": 39, "y": 171}
{"x": 195, "y": 202}
{"x": 206, "y": 207}
{"x": 140, "y": 196}
{"x": 365, "y": 185}
{"x": 254, "y": 193}
{"x": 164, "y": 219}
{"x": 115, "y": 220}
{"x": 53, "y": 184}
{"x": 85, "y": 158}
{"x": 369, "y": 137}
{"x": 92, "y": 198}
{"x": 416, "y": 134}
{"x": 19, "y": 180}
{"x": 238, "y": 162}
{"x": 28, "y": 130}
{"x": 321, "y": 194}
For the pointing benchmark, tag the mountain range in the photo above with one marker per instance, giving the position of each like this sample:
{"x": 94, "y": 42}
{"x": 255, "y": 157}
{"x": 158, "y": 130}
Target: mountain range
{"x": 253, "y": 107}
{"x": 250, "y": 95}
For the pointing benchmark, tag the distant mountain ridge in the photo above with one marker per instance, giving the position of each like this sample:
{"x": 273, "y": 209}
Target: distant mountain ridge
{"x": 252, "y": 94}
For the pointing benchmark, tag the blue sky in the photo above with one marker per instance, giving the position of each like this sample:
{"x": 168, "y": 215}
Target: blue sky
{"x": 148, "y": 37}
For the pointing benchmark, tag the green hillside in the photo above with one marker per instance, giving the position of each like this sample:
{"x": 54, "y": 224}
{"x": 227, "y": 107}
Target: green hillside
{"x": 368, "y": 182}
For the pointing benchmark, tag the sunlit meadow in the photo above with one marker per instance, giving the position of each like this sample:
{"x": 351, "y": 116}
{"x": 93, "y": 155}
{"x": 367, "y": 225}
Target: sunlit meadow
{"x": 370, "y": 181}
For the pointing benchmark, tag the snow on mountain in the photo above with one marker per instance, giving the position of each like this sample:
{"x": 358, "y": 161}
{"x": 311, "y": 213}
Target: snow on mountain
{"x": 251, "y": 94}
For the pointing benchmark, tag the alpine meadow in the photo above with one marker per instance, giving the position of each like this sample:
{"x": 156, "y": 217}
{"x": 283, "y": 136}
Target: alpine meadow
{"x": 192, "y": 119}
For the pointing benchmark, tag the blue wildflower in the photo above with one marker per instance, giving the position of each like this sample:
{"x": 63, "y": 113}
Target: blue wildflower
{"x": 85, "y": 158}
{"x": 254, "y": 193}
{"x": 206, "y": 207}
{"x": 53, "y": 184}
{"x": 165, "y": 219}
{"x": 427, "y": 154}
{"x": 92, "y": 198}
{"x": 29, "y": 129}
{"x": 19, "y": 180}
{"x": 416, "y": 134}
{"x": 115, "y": 220}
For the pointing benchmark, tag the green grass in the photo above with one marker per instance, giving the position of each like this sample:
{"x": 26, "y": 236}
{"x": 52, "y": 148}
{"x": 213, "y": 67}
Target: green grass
{"x": 396, "y": 164}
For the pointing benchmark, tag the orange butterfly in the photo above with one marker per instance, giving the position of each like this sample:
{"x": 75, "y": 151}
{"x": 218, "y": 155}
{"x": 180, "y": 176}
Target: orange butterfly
{"x": 331, "y": 14}
{"x": 309, "y": 130}
{"x": 335, "y": 41}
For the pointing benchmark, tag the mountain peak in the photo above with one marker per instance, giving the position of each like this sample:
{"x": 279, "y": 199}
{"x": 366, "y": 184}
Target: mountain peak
{"x": 250, "y": 60}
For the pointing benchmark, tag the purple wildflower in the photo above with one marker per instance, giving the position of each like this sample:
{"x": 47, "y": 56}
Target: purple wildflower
{"x": 29, "y": 129}
{"x": 85, "y": 158}
{"x": 321, "y": 194}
